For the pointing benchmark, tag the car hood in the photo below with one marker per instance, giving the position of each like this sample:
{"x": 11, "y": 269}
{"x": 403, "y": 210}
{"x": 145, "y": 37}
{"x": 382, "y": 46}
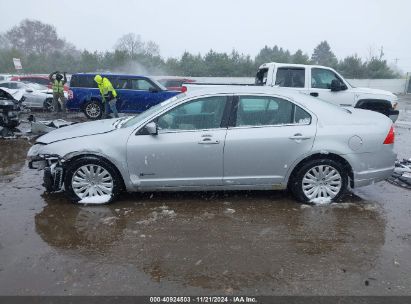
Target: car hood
{"x": 15, "y": 94}
{"x": 79, "y": 130}
{"x": 373, "y": 91}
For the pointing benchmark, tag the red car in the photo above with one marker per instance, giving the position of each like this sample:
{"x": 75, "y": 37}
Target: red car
{"x": 40, "y": 79}
{"x": 174, "y": 84}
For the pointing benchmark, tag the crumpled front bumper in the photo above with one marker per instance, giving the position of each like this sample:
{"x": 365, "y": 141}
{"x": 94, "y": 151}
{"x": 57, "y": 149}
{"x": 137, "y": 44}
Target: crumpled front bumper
{"x": 53, "y": 178}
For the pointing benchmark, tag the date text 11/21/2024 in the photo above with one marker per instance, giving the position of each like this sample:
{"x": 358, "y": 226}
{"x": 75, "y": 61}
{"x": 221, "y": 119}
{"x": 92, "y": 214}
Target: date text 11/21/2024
{"x": 206, "y": 299}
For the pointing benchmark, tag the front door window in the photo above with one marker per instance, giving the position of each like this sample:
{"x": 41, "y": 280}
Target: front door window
{"x": 203, "y": 113}
{"x": 322, "y": 78}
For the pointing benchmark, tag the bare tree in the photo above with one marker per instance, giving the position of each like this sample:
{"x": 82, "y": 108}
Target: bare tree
{"x": 33, "y": 36}
{"x": 152, "y": 48}
{"x": 130, "y": 43}
{"x": 4, "y": 43}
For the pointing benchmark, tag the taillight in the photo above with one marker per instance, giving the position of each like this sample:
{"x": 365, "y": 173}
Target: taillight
{"x": 389, "y": 140}
{"x": 70, "y": 94}
{"x": 183, "y": 89}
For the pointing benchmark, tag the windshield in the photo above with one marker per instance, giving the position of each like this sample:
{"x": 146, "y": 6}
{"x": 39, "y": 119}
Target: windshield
{"x": 139, "y": 118}
{"x": 159, "y": 84}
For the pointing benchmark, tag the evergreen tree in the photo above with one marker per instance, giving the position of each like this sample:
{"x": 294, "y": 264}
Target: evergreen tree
{"x": 352, "y": 67}
{"x": 323, "y": 55}
{"x": 300, "y": 58}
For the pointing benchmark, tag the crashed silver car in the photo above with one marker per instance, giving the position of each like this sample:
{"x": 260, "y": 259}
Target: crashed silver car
{"x": 222, "y": 138}
{"x": 10, "y": 110}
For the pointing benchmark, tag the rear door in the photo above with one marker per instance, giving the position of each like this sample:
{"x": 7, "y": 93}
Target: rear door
{"x": 267, "y": 135}
{"x": 122, "y": 86}
{"x": 293, "y": 78}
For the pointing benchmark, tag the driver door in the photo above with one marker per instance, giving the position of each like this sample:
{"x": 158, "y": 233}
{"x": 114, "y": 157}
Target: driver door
{"x": 320, "y": 87}
{"x": 186, "y": 152}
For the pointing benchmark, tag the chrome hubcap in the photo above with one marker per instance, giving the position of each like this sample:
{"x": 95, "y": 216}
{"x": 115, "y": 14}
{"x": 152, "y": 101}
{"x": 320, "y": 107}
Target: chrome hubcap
{"x": 93, "y": 110}
{"x": 92, "y": 180}
{"x": 322, "y": 182}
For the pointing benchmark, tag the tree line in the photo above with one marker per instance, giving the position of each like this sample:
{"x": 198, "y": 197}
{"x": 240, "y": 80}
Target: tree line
{"x": 41, "y": 50}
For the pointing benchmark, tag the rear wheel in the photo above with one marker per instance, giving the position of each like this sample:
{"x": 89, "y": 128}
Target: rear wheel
{"x": 93, "y": 110}
{"x": 319, "y": 181}
{"x": 91, "y": 180}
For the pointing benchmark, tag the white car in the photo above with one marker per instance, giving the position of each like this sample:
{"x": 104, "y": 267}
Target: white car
{"x": 37, "y": 96}
{"x": 4, "y": 77}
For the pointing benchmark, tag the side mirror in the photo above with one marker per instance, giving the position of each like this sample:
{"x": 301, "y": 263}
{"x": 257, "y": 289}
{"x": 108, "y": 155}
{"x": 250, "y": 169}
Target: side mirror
{"x": 335, "y": 85}
{"x": 152, "y": 90}
{"x": 29, "y": 90}
{"x": 152, "y": 128}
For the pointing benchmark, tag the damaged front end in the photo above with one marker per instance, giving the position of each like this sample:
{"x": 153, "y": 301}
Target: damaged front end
{"x": 53, "y": 166}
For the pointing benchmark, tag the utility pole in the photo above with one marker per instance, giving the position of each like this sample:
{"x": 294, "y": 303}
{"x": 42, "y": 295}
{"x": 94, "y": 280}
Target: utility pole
{"x": 381, "y": 52}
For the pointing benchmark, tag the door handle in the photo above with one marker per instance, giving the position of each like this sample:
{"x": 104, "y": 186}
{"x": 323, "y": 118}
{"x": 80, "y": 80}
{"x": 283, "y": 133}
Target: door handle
{"x": 299, "y": 137}
{"x": 315, "y": 94}
{"x": 208, "y": 141}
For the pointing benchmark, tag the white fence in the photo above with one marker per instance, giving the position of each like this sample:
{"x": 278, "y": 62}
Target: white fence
{"x": 398, "y": 86}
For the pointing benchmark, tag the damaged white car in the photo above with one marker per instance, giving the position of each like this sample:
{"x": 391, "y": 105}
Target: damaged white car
{"x": 222, "y": 138}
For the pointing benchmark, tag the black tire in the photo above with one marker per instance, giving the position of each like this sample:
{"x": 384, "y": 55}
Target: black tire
{"x": 93, "y": 109}
{"x": 296, "y": 181}
{"x": 74, "y": 165}
{"x": 48, "y": 105}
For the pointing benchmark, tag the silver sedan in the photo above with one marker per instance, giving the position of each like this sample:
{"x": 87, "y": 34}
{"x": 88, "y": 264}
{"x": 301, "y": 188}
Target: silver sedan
{"x": 37, "y": 96}
{"x": 222, "y": 138}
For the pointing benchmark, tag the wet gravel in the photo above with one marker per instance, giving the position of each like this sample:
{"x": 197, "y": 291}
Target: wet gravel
{"x": 255, "y": 243}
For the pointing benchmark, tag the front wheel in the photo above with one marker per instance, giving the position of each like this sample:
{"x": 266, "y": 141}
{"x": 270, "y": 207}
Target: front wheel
{"x": 91, "y": 180}
{"x": 48, "y": 105}
{"x": 93, "y": 110}
{"x": 319, "y": 181}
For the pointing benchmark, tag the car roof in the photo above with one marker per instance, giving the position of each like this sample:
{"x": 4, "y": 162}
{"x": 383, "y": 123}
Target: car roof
{"x": 11, "y": 81}
{"x": 269, "y": 64}
{"x": 31, "y": 76}
{"x": 176, "y": 78}
{"x": 109, "y": 74}
{"x": 312, "y": 103}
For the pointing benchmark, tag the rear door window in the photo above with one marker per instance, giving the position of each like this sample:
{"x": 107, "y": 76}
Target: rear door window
{"x": 290, "y": 77}
{"x": 263, "y": 111}
{"x": 121, "y": 84}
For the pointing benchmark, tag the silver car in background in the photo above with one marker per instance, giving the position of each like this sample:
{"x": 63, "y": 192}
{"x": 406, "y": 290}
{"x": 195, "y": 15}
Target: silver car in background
{"x": 222, "y": 138}
{"x": 37, "y": 96}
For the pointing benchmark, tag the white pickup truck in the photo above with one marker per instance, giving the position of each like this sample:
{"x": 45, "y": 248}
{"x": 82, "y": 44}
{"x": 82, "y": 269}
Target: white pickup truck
{"x": 324, "y": 83}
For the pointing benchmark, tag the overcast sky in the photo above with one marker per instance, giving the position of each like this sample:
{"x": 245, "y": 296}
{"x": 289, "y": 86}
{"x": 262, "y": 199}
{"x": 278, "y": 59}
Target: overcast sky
{"x": 350, "y": 26}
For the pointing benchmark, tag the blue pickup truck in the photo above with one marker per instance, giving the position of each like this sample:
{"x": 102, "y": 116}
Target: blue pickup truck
{"x": 135, "y": 93}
